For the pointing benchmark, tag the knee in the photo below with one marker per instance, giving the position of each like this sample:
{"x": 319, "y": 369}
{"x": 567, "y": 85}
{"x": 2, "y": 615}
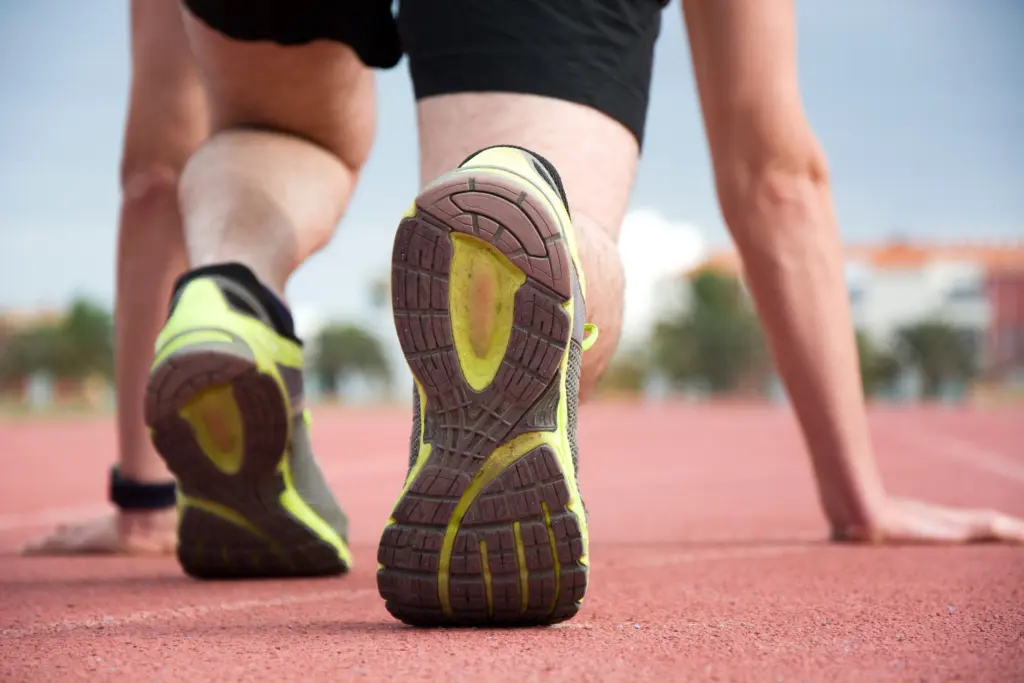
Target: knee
{"x": 603, "y": 268}
{"x": 146, "y": 182}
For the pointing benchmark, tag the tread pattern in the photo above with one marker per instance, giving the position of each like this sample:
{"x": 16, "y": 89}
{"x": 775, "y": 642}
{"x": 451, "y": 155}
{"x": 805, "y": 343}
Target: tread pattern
{"x": 516, "y": 554}
{"x": 210, "y": 546}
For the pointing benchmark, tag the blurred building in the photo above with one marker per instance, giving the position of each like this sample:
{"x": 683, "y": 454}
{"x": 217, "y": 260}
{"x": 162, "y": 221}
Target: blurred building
{"x": 14, "y": 320}
{"x": 979, "y": 288}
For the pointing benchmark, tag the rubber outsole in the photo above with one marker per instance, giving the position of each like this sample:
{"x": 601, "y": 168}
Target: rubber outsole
{"x": 514, "y": 555}
{"x": 232, "y": 525}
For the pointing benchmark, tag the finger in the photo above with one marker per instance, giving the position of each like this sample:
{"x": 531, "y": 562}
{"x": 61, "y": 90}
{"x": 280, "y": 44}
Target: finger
{"x": 917, "y": 522}
{"x": 983, "y": 525}
{"x": 929, "y": 530}
{"x": 1004, "y": 528}
{"x": 939, "y": 523}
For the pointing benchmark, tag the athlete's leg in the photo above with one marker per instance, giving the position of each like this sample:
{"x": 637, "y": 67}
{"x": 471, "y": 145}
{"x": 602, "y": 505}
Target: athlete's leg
{"x": 534, "y": 117}
{"x": 571, "y": 84}
{"x": 292, "y": 126}
{"x": 166, "y": 123}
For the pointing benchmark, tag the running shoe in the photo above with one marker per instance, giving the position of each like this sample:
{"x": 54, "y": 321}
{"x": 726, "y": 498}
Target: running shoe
{"x": 225, "y": 406}
{"x": 488, "y": 300}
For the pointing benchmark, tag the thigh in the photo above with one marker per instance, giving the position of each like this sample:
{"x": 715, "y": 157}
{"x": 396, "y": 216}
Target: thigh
{"x": 295, "y": 75}
{"x": 597, "y": 53}
{"x": 568, "y": 80}
{"x": 167, "y": 117}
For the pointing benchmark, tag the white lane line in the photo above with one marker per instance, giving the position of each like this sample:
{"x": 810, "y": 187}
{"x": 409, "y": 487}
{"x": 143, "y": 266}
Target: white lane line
{"x": 751, "y": 553}
{"x": 186, "y": 612}
{"x": 965, "y": 453}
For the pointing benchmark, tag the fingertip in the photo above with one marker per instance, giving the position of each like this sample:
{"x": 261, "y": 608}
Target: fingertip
{"x": 1009, "y": 529}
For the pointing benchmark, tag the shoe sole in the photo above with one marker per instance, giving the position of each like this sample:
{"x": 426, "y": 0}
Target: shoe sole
{"x": 482, "y": 534}
{"x": 222, "y": 427}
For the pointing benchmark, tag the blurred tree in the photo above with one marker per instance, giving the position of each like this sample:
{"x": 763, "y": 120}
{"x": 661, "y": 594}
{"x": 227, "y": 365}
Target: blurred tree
{"x": 8, "y": 341}
{"x": 7, "y": 334}
{"x": 717, "y": 340}
{"x": 343, "y": 350}
{"x": 878, "y": 368}
{"x": 81, "y": 344}
{"x": 89, "y": 333}
{"x": 32, "y": 350}
{"x": 626, "y": 374}
{"x": 941, "y": 352}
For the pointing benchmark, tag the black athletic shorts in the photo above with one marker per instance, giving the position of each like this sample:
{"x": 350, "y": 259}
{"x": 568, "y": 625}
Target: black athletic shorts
{"x": 594, "y": 52}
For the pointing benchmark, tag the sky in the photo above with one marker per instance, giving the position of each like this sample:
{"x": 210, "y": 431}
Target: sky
{"x": 919, "y": 105}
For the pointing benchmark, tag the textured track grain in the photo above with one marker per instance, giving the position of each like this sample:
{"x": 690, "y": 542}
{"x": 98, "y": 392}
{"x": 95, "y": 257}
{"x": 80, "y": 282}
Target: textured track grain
{"x": 708, "y": 565}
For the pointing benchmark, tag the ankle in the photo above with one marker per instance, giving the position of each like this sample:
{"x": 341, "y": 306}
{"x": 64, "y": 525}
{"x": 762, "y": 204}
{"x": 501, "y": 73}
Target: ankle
{"x": 149, "y": 469}
{"x": 271, "y": 301}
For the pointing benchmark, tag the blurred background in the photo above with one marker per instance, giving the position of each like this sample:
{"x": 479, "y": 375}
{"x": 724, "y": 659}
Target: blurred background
{"x": 919, "y": 105}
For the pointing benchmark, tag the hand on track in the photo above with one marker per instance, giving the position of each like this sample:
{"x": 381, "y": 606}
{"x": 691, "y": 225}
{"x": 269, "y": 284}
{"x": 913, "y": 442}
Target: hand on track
{"x": 119, "y": 533}
{"x": 910, "y": 521}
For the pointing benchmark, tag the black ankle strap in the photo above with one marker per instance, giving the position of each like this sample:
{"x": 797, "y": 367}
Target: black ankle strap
{"x": 132, "y": 495}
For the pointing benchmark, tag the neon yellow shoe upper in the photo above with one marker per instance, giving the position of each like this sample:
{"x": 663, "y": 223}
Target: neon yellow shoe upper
{"x": 225, "y": 405}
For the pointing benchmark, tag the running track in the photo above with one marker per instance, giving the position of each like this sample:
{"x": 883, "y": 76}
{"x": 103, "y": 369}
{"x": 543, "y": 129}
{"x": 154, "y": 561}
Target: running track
{"x": 708, "y": 565}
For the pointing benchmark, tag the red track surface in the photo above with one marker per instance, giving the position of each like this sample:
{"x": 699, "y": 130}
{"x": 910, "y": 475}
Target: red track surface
{"x": 707, "y": 555}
